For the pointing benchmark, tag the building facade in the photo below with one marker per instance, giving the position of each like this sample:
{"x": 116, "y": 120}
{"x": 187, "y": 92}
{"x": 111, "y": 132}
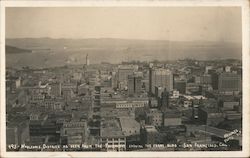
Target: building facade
{"x": 160, "y": 78}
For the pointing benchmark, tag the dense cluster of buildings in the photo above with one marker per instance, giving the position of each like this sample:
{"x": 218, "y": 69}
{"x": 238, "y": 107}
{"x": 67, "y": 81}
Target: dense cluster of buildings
{"x": 108, "y": 107}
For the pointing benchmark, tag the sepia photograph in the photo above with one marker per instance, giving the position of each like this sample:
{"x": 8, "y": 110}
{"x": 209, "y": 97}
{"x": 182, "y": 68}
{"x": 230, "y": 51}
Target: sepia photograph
{"x": 130, "y": 79}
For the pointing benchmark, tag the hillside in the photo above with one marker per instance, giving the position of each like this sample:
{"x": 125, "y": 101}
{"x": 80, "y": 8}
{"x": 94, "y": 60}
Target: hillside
{"x": 13, "y": 50}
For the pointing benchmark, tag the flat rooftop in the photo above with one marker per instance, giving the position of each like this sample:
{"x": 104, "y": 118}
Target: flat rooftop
{"x": 111, "y": 129}
{"x": 127, "y": 122}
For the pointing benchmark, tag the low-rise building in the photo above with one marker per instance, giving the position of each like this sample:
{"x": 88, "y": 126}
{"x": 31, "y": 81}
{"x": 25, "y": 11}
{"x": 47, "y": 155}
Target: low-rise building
{"x": 75, "y": 131}
{"x": 38, "y": 116}
{"x": 229, "y": 105}
{"x": 129, "y": 126}
{"x": 154, "y": 117}
{"x": 54, "y": 104}
{"x": 233, "y": 115}
{"x": 111, "y": 136}
{"x": 149, "y": 135}
{"x": 172, "y": 118}
{"x": 132, "y": 104}
{"x": 210, "y": 116}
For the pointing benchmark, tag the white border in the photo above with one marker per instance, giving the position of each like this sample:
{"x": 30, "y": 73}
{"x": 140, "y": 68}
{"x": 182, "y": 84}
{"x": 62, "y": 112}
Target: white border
{"x": 244, "y": 4}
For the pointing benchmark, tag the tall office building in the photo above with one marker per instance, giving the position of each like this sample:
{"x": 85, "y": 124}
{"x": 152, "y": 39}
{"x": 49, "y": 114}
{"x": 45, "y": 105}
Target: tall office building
{"x": 159, "y": 77}
{"x": 180, "y": 85}
{"x": 134, "y": 85}
{"x": 229, "y": 82}
{"x": 114, "y": 81}
{"x": 124, "y": 71}
{"x": 122, "y": 75}
{"x": 165, "y": 99}
{"x": 214, "y": 80}
{"x": 203, "y": 79}
{"x": 158, "y": 91}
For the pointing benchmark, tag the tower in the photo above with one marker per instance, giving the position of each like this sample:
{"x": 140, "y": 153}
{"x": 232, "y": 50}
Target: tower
{"x": 134, "y": 85}
{"x": 87, "y": 59}
{"x": 165, "y": 99}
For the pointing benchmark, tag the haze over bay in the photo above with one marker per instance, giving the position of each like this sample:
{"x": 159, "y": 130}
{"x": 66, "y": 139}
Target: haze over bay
{"x": 47, "y": 52}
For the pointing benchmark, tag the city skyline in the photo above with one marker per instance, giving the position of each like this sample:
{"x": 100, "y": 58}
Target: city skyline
{"x": 127, "y": 107}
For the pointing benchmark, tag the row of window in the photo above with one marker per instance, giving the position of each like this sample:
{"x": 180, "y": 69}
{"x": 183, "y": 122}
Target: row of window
{"x": 113, "y": 139}
{"x": 129, "y": 105}
{"x": 122, "y": 143}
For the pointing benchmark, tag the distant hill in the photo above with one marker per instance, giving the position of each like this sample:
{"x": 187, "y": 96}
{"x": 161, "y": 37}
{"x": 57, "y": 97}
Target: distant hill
{"x": 50, "y": 43}
{"x": 14, "y": 50}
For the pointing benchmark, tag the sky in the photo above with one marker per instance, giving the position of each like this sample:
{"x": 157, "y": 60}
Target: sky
{"x": 150, "y": 23}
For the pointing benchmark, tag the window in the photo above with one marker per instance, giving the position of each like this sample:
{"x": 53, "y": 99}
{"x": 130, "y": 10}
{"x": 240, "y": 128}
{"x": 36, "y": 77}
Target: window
{"x": 104, "y": 139}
